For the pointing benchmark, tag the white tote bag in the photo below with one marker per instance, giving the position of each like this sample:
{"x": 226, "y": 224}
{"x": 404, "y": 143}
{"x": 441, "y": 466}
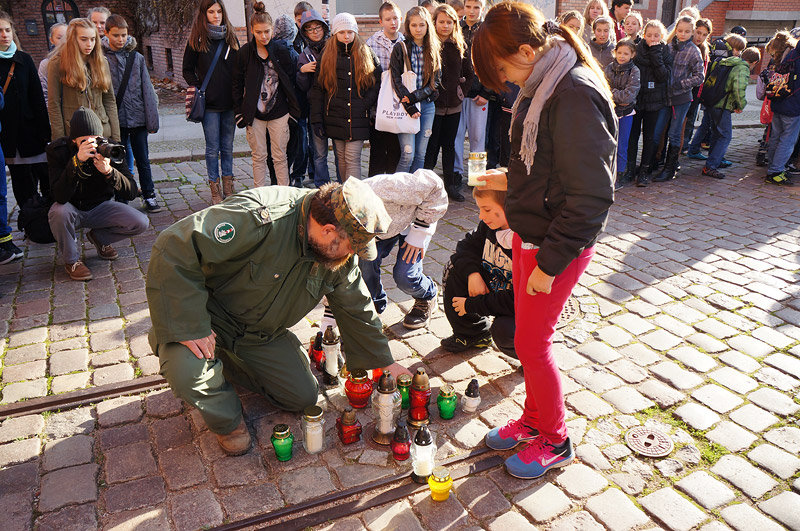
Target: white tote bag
{"x": 391, "y": 115}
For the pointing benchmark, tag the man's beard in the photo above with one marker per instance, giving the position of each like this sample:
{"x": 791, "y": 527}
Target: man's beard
{"x": 328, "y": 256}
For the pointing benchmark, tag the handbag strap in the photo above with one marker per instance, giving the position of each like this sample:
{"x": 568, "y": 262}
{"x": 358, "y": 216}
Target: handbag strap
{"x": 8, "y": 77}
{"x": 126, "y": 76}
{"x": 407, "y": 59}
{"x": 213, "y": 65}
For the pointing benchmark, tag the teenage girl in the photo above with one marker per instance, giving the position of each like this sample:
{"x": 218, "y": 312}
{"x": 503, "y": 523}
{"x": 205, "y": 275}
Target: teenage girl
{"x": 26, "y": 128}
{"x": 345, "y": 93}
{"x": 574, "y": 21}
{"x": 702, "y": 29}
{"x": 652, "y": 111}
{"x": 263, "y": 96}
{"x": 633, "y": 26}
{"x": 211, "y": 30}
{"x": 420, "y": 50}
{"x": 687, "y": 74}
{"x": 58, "y": 33}
{"x": 593, "y": 9}
{"x": 456, "y": 78}
{"x": 557, "y": 203}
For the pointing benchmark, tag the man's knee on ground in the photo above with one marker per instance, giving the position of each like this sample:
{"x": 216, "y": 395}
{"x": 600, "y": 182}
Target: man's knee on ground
{"x": 183, "y": 370}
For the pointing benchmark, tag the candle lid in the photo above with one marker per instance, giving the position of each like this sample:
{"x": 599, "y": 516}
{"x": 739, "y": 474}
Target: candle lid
{"x": 473, "y": 390}
{"x": 401, "y": 432}
{"x": 441, "y": 474}
{"x": 312, "y": 413}
{"x": 447, "y": 391}
{"x": 477, "y": 155}
{"x": 386, "y": 383}
{"x": 404, "y": 380}
{"x": 280, "y": 431}
{"x": 423, "y": 437}
{"x": 359, "y": 375}
{"x": 318, "y": 341}
{"x": 348, "y": 417}
{"x": 420, "y": 380}
{"x": 330, "y": 336}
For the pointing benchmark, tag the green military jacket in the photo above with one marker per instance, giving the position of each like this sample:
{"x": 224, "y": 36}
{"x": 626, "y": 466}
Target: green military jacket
{"x": 244, "y": 267}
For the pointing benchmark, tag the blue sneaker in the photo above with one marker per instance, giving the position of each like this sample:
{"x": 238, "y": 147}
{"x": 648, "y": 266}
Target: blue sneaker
{"x": 697, "y": 156}
{"x": 539, "y": 457}
{"x": 725, "y": 163}
{"x": 510, "y": 435}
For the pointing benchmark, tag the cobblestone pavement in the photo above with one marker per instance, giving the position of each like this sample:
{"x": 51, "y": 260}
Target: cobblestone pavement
{"x": 691, "y": 324}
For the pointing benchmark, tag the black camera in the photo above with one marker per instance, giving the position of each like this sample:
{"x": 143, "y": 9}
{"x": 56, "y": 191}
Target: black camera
{"x": 115, "y": 152}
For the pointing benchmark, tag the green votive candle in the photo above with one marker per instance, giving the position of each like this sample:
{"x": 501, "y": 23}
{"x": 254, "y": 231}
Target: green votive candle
{"x": 447, "y": 402}
{"x": 403, "y": 385}
{"x": 282, "y": 440}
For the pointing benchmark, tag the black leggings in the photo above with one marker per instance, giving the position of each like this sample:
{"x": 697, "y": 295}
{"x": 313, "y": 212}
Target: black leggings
{"x": 27, "y": 179}
{"x": 443, "y": 135}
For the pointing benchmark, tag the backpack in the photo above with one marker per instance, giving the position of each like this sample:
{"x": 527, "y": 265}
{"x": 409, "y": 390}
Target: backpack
{"x": 720, "y": 49}
{"x": 715, "y": 84}
{"x": 32, "y": 220}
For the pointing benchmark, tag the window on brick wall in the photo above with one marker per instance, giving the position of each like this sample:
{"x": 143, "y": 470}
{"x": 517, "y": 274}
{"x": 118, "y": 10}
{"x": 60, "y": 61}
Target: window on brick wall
{"x": 148, "y": 53}
{"x": 359, "y": 7}
{"x": 168, "y": 52}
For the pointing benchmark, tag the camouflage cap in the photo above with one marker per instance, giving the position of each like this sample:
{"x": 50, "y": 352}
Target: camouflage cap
{"x": 361, "y": 214}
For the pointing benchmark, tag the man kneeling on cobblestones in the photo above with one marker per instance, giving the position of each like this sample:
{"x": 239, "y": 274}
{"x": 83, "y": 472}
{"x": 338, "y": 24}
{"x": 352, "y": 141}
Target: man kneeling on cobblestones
{"x": 83, "y": 183}
{"x": 225, "y": 283}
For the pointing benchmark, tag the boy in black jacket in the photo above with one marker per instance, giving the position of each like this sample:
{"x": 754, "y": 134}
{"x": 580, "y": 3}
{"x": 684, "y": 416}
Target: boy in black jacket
{"x": 477, "y": 281}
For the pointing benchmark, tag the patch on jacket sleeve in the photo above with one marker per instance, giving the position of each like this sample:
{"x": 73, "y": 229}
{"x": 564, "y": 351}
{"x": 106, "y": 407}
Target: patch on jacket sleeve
{"x": 224, "y": 232}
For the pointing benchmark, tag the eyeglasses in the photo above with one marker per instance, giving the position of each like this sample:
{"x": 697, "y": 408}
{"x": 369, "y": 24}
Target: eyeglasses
{"x": 313, "y": 29}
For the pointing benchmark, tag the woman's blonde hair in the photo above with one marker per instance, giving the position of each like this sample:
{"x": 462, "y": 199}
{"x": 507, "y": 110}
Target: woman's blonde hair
{"x": 361, "y": 59}
{"x": 430, "y": 46}
{"x": 653, "y": 23}
{"x": 589, "y": 5}
{"x": 682, "y": 20}
{"x": 73, "y": 65}
{"x": 456, "y": 36}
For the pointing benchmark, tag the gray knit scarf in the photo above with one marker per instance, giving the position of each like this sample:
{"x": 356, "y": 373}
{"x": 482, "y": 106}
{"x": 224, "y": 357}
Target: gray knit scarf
{"x": 547, "y": 73}
{"x": 217, "y": 33}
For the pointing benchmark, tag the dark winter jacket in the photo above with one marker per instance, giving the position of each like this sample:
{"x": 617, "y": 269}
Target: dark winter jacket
{"x": 195, "y": 65}
{"x": 789, "y": 69}
{"x": 312, "y": 51}
{"x": 476, "y": 88}
{"x": 80, "y": 183}
{"x": 625, "y": 83}
{"x": 479, "y": 252}
{"x": 456, "y": 76}
{"x": 346, "y": 114}
{"x": 26, "y": 124}
{"x": 397, "y": 65}
{"x": 248, "y": 77}
{"x": 139, "y": 106}
{"x": 604, "y": 53}
{"x": 655, "y": 67}
{"x": 562, "y": 204}
{"x": 687, "y": 71}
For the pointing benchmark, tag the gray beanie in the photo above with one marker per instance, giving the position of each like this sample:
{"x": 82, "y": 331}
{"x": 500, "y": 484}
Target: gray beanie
{"x": 344, "y": 22}
{"x": 284, "y": 28}
{"x": 85, "y": 122}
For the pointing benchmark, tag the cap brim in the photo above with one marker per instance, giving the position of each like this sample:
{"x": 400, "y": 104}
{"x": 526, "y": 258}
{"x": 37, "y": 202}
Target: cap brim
{"x": 369, "y": 252}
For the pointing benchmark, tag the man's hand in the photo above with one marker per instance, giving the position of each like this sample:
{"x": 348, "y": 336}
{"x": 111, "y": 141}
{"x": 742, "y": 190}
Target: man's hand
{"x": 87, "y": 149}
{"x": 203, "y": 348}
{"x": 476, "y": 286}
{"x": 309, "y": 67}
{"x": 412, "y": 253}
{"x": 396, "y": 369}
{"x": 459, "y": 305}
{"x": 539, "y": 282}
{"x": 480, "y": 101}
{"x": 102, "y": 164}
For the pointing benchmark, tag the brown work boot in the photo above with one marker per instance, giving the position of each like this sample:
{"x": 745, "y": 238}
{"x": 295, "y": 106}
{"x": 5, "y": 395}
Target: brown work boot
{"x": 227, "y": 186}
{"x": 216, "y": 193}
{"x": 78, "y": 271}
{"x": 106, "y": 252}
{"x": 236, "y": 442}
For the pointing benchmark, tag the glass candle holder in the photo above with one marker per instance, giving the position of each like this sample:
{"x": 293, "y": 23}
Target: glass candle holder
{"x": 282, "y": 440}
{"x": 476, "y": 166}
{"x": 472, "y": 397}
{"x": 313, "y": 429}
{"x": 420, "y": 399}
{"x": 386, "y": 407}
{"x": 423, "y": 451}
{"x": 401, "y": 442}
{"x": 440, "y": 484}
{"x": 348, "y": 427}
{"x": 447, "y": 402}
{"x": 317, "y": 355}
{"x": 332, "y": 346}
{"x": 404, "y": 386}
{"x": 358, "y": 388}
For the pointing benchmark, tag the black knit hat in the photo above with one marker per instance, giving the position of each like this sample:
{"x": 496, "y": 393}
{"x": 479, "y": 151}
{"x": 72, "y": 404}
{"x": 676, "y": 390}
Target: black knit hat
{"x": 85, "y": 122}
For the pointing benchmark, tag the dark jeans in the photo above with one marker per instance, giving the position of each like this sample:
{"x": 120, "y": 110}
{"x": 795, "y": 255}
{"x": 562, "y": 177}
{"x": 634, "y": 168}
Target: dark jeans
{"x": 137, "y": 136}
{"x": 702, "y": 132}
{"x": 384, "y": 152}
{"x": 498, "y": 145}
{"x": 443, "y": 135}
{"x": 5, "y": 228}
{"x": 691, "y": 117}
{"x": 297, "y": 151}
{"x": 633, "y": 140}
{"x": 472, "y": 325}
{"x": 26, "y": 178}
{"x": 721, "y": 135}
{"x": 653, "y": 125}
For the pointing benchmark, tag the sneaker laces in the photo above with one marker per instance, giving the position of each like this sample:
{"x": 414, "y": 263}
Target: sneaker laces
{"x": 421, "y": 305}
{"x": 514, "y": 428}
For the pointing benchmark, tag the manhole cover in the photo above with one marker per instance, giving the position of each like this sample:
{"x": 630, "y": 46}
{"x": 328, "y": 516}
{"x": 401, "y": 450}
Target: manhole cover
{"x": 571, "y": 311}
{"x": 649, "y": 442}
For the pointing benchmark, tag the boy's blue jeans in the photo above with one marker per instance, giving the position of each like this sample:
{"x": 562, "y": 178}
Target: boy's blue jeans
{"x": 218, "y": 129}
{"x": 785, "y": 130}
{"x": 408, "y": 277}
{"x": 702, "y": 130}
{"x": 137, "y": 138}
{"x": 721, "y": 135}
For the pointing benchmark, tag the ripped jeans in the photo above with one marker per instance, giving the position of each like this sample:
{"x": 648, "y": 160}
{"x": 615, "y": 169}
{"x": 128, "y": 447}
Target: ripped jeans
{"x": 413, "y": 147}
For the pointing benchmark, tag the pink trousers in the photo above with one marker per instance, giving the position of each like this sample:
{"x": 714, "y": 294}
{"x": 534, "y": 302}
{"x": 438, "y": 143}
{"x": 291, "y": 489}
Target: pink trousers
{"x": 536, "y": 317}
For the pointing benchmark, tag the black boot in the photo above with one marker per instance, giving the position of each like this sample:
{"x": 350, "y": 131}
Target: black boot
{"x": 670, "y": 166}
{"x": 452, "y": 186}
{"x": 643, "y": 177}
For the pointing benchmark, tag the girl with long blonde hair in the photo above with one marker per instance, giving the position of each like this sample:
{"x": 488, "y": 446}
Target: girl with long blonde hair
{"x": 78, "y": 76}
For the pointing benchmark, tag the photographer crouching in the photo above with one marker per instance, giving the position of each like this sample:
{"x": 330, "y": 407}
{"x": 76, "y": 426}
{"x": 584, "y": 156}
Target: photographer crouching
{"x": 83, "y": 181}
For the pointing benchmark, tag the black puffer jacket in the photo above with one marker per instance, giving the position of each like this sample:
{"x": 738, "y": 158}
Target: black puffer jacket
{"x": 346, "y": 115}
{"x": 397, "y": 64}
{"x": 248, "y": 76}
{"x": 655, "y": 70}
{"x": 456, "y": 76}
{"x": 562, "y": 204}
{"x": 26, "y": 124}
{"x": 195, "y": 66}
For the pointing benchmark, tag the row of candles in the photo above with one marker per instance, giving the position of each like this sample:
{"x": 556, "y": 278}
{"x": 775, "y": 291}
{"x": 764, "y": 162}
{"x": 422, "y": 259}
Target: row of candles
{"x": 389, "y": 399}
